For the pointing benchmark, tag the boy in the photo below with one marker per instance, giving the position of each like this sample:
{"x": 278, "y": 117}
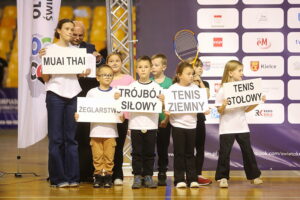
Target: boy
{"x": 159, "y": 65}
{"x": 103, "y": 134}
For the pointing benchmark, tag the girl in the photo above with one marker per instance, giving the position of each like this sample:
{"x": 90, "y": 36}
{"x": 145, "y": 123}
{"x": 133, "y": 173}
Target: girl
{"x": 62, "y": 91}
{"x": 114, "y": 60}
{"x": 184, "y": 132}
{"x": 233, "y": 126}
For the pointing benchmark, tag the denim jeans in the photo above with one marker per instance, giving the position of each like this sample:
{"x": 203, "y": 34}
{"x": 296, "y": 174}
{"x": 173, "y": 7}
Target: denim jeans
{"x": 63, "y": 161}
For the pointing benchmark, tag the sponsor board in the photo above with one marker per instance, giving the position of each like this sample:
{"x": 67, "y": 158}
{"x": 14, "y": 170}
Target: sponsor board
{"x": 213, "y": 117}
{"x": 265, "y": 18}
{"x": 218, "y": 42}
{"x": 220, "y": 18}
{"x": 261, "y": 66}
{"x": 293, "y": 40}
{"x": 293, "y": 113}
{"x": 262, "y": 1}
{"x": 213, "y": 66}
{"x": 214, "y": 86}
{"x": 293, "y": 18}
{"x": 273, "y": 89}
{"x": 272, "y": 113}
{"x": 294, "y": 65}
{"x": 294, "y": 1}
{"x": 217, "y": 2}
{"x": 293, "y": 89}
{"x": 263, "y": 42}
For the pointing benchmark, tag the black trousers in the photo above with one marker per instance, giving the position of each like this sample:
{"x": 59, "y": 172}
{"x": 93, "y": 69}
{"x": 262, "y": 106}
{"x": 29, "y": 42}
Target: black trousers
{"x": 249, "y": 161}
{"x": 85, "y": 153}
{"x": 143, "y": 152}
{"x": 162, "y": 144}
{"x": 184, "y": 159}
{"x": 118, "y": 158}
{"x": 200, "y": 144}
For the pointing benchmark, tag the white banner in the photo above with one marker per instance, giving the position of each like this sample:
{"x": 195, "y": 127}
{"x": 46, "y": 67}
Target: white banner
{"x": 139, "y": 99}
{"x": 97, "y": 110}
{"x": 37, "y": 20}
{"x": 243, "y": 93}
{"x": 193, "y": 100}
{"x": 65, "y": 61}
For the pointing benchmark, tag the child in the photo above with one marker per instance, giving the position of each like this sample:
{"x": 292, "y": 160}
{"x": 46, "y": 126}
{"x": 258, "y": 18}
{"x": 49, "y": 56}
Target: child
{"x": 114, "y": 60}
{"x": 200, "y": 129}
{"x": 159, "y": 65}
{"x": 233, "y": 126}
{"x": 184, "y": 132}
{"x": 103, "y": 135}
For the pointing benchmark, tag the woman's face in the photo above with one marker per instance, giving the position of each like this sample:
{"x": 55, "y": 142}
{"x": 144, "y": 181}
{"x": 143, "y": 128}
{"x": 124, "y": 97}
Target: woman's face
{"x": 66, "y": 31}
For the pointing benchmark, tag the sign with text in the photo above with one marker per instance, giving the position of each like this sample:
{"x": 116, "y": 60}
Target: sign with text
{"x": 139, "y": 99}
{"x": 64, "y": 61}
{"x": 243, "y": 93}
{"x": 97, "y": 110}
{"x": 192, "y": 100}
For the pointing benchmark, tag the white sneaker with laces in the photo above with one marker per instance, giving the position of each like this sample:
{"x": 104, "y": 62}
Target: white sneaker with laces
{"x": 118, "y": 182}
{"x": 223, "y": 183}
{"x": 181, "y": 185}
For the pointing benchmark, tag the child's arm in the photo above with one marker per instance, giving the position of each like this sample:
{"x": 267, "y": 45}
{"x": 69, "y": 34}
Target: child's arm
{"x": 164, "y": 123}
{"x": 85, "y": 73}
{"x": 76, "y": 116}
{"x": 45, "y": 77}
{"x": 222, "y": 108}
{"x": 249, "y": 108}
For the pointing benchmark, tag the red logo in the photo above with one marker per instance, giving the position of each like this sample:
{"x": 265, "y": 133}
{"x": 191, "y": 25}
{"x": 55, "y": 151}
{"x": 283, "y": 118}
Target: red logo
{"x": 217, "y": 87}
{"x": 218, "y": 42}
{"x": 254, "y": 65}
{"x": 263, "y": 43}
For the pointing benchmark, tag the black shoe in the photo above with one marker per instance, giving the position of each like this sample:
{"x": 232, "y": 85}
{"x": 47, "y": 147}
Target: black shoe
{"x": 107, "y": 181}
{"x": 149, "y": 183}
{"x": 162, "y": 179}
{"x": 98, "y": 181}
{"x": 137, "y": 182}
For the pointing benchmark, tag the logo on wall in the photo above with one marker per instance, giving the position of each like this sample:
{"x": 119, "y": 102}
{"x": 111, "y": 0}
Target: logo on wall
{"x": 217, "y": 87}
{"x": 254, "y": 65}
{"x": 206, "y": 65}
{"x": 217, "y": 21}
{"x": 262, "y": 18}
{"x": 264, "y": 113}
{"x": 218, "y": 42}
{"x": 263, "y": 43}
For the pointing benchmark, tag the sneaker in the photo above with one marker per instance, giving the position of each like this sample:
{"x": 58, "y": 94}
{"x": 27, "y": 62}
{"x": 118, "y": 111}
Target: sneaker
{"x": 74, "y": 184}
{"x": 107, "y": 181}
{"x": 162, "y": 179}
{"x": 63, "y": 185}
{"x": 98, "y": 181}
{"x": 137, "y": 182}
{"x": 181, "y": 185}
{"x": 118, "y": 182}
{"x": 149, "y": 183}
{"x": 223, "y": 183}
{"x": 194, "y": 184}
{"x": 256, "y": 181}
{"x": 203, "y": 181}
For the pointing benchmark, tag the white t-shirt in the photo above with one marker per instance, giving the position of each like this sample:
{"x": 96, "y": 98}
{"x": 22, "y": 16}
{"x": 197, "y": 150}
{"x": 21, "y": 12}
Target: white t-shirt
{"x": 103, "y": 130}
{"x": 232, "y": 120}
{"x": 183, "y": 120}
{"x": 143, "y": 121}
{"x": 64, "y": 85}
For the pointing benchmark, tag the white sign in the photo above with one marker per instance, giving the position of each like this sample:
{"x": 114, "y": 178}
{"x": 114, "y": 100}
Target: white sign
{"x": 193, "y": 100}
{"x": 243, "y": 93}
{"x": 139, "y": 99}
{"x": 273, "y": 89}
{"x": 64, "y": 61}
{"x": 97, "y": 110}
{"x": 293, "y": 113}
{"x": 294, "y": 1}
{"x": 217, "y": 2}
{"x": 262, "y": 1}
{"x": 294, "y": 65}
{"x": 214, "y": 86}
{"x": 293, "y": 89}
{"x": 293, "y": 18}
{"x": 91, "y": 64}
{"x": 213, "y": 66}
{"x": 293, "y": 40}
{"x": 267, "y": 113}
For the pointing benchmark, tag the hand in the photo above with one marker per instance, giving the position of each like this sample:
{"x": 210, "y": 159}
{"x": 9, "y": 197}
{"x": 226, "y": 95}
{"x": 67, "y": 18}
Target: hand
{"x": 98, "y": 56}
{"x": 263, "y": 98}
{"x": 161, "y": 97}
{"x": 225, "y": 102}
{"x": 117, "y": 95}
{"x": 167, "y": 113}
{"x": 207, "y": 112}
{"x": 85, "y": 73}
{"x": 42, "y": 52}
{"x": 122, "y": 117}
{"x": 163, "y": 124}
{"x": 76, "y": 116}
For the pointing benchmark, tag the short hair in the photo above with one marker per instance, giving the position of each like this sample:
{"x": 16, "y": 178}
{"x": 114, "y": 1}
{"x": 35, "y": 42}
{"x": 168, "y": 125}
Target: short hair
{"x": 59, "y": 26}
{"x": 98, "y": 70}
{"x": 162, "y": 57}
{"x": 144, "y": 58}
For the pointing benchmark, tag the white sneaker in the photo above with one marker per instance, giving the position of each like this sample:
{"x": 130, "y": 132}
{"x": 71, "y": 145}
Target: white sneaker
{"x": 181, "y": 185}
{"x": 118, "y": 182}
{"x": 194, "y": 185}
{"x": 256, "y": 181}
{"x": 223, "y": 183}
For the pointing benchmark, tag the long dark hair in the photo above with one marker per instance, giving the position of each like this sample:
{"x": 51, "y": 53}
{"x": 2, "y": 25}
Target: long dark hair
{"x": 60, "y": 24}
{"x": 180, "y": 67}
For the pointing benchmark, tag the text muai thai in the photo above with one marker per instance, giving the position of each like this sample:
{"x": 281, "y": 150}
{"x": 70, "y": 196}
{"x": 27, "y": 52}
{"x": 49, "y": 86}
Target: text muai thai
{"x": 64, "y": 61}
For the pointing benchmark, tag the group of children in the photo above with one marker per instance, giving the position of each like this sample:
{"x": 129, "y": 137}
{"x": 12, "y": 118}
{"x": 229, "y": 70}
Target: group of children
{"x": 150, "y": 130}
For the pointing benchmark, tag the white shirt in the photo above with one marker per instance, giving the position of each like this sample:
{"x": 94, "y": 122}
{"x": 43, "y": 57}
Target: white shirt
{"x": 183, "y": 120}
{"x": 103, "y": 130}
{"x": 64, "y": 85}
{"x": 232, "y": 120}
{"x": 143, "y": 121}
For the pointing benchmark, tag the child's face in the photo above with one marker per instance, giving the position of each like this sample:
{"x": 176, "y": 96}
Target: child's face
{"x": 105, "y": 76}
{"x": 198, "y": 69}
{"x": 115, "y": 63}
{"x": 157, "y": 67}
{"x": 237, "y": 74}
{"x": 66, "y": 31}
{"x": 143, "y": 69}
{"x": 187, "y": 76}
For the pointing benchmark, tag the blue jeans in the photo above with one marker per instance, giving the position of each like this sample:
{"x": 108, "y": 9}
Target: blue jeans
{"x": 63, "y": 161}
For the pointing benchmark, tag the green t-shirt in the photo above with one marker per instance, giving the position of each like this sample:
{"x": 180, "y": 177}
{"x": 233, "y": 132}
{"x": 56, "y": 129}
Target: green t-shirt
{"x": 165, "y": 84}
